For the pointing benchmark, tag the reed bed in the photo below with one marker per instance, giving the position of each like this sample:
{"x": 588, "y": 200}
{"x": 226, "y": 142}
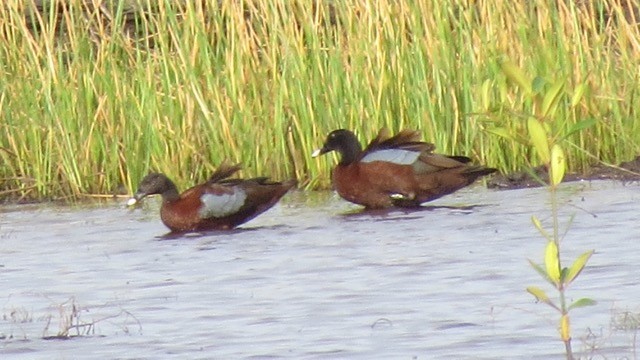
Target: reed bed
{"x": 97, "y": 93}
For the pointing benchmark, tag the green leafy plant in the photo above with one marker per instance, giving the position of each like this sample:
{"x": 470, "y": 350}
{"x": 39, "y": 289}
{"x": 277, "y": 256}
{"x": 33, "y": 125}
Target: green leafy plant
{"x": 546, "y": 138}
{"x": 552, "y": 270}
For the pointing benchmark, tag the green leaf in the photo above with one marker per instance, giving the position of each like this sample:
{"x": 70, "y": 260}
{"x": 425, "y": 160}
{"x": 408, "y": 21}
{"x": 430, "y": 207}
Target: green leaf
{"x": 577, "y": 266}
{"x": 563, "y": 274}
{"x": 511, "y": 135}
{"x": 538, "y": 226}
{"x": 538, "y": 137}
{"x": 485, "y": 94}
{"x": 579, "y": 126}
{"x": 582, "y": 303}
{"x": 551, "y": 98}
{"x": 541, "y": 271}
{"x": 558, "y": 165}
{"x": 537, "y": 85}
{"x": 539, "y": 294}
{"x": 551, "y": 263}
{"x": 578, "y": 93}
{"x": 502, "y": 132}
{"x": 516, "y": 75}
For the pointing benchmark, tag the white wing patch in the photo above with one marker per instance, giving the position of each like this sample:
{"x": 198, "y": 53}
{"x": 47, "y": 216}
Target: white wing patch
{"x": 221, "y": 205}
{"x": 396, "y": 156}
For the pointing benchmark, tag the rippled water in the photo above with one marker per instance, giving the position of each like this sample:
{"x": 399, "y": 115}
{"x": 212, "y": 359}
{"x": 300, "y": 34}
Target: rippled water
{"x": 312, "y": 278}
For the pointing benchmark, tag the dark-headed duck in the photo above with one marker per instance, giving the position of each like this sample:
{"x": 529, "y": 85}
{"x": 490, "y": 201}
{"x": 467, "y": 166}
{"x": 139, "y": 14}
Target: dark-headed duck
{"x": 218, "y": 204}
{"x": 397, "y": 170}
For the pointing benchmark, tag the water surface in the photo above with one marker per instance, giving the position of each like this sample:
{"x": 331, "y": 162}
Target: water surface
{"x": 313, "y": 278}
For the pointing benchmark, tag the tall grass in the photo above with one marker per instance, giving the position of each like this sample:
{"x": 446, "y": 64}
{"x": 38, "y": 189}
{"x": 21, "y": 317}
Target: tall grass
{"x": 93, "y": 97}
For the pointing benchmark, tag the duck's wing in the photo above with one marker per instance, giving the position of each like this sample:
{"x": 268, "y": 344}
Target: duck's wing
{"x": 241, "y": 199}
{"x": 396, "y": 156}
{"x": 403, "y": 148}
{"x": 223, "y": 171}
{"x": 219, "y": 200}
{"x": 460, "y": 158}
{"x": 405, "y": 139}
{"x": 431, "y": 163}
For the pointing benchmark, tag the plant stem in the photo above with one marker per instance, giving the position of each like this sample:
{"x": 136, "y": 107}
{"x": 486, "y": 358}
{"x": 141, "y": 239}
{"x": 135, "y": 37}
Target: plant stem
{"x": 561, "y": 289}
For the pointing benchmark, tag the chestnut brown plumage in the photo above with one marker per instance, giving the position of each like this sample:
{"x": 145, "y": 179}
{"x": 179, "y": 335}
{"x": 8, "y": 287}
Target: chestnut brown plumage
{"x": 218, "y": 204}
{"x": 397, "y": 170}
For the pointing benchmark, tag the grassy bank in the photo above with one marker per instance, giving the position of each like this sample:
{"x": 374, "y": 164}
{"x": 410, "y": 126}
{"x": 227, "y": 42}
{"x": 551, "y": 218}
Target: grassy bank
{"x": 93, "y": 98}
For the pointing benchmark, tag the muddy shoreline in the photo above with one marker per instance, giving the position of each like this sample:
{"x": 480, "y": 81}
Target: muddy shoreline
{"x": 626, "y": 171}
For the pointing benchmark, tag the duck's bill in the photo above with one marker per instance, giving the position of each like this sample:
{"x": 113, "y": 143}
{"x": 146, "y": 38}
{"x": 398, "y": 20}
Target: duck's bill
{"x": 316, "y": 153}
{"x": 132, "y": 201}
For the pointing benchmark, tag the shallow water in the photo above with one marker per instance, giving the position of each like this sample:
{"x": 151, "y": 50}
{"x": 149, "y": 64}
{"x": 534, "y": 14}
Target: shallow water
{"x": 313, "y": 278}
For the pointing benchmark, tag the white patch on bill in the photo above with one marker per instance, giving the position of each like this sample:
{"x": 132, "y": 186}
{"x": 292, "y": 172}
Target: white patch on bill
{"x": 396, "y": 156}
{"x": 316, "y": 153}
{"x": 221, "y": 205}
{"x": 132, "y": 202}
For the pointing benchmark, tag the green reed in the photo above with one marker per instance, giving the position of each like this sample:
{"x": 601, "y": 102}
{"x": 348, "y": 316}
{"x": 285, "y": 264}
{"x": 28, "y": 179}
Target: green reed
{"x": 94, "y": 98}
